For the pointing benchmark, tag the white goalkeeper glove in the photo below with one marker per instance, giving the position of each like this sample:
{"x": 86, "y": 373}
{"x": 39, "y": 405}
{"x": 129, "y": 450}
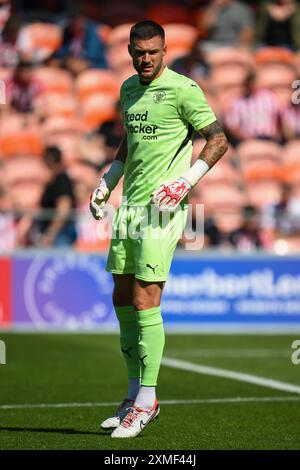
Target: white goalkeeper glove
{"x": 107, "y": 183}
{"x": 169, "y": 195}
{"x": 98, "y": 199}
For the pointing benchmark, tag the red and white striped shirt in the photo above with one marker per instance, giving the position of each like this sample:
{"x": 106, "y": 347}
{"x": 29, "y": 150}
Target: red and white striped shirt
{"x": 257, "y": 115}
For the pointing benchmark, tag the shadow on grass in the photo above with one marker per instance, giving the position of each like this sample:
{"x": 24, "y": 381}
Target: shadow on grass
{"x": 51, "y": 430}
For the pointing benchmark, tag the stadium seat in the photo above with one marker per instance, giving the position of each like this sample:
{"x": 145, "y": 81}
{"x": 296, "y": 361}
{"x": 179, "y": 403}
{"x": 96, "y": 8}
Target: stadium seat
{"x": 227, "y": 82}
{"x": 119, "y": 35}
{"x": 53, "y": 104}
{"x": 54, "y": 80}
{"x": 38, "y": 41}
{"x": 297, "y": 62}
{"x": 118, "y": 59}
{"x": 60, "y": 125}
{"x": 229, "y": 56}
{"x": 223, "y": 173}
{"x": 277, "y": 78}
{"x": 221, "y": 197}
{"x": 263, "y": 192}
{"x": 168, "y": 12}
{"x": 291, "y": 173}
{"x": 227, "y": 220}
{"x": 256, "y": 149}
{"x": 24, "y": 169}
{"x": 274, "y": 55}
{"x": 265, "y": 169}
{"x": 96, "y": 110}
{"x": 179, "y": 35}
{"x": 174, "y": 53}
{"x": 22, "y": 141}
{"x": 291, "y": 152}
{"x": 270, "y": 76}
{"x": 26, "y": 195}
{"x": 95, "y": 81}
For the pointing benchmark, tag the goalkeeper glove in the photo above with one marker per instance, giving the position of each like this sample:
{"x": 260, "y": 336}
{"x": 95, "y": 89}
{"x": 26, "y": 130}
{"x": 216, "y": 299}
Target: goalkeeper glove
{"x": 169, "y": 195}
{"x": 107, "y": 183}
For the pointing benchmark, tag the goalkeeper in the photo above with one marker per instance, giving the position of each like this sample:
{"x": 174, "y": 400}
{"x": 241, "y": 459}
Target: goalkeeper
{"x": 161, "y": 110}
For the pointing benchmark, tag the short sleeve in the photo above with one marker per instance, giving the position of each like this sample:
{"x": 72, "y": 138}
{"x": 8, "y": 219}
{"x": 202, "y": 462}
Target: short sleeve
{"x": 193, "y": 107}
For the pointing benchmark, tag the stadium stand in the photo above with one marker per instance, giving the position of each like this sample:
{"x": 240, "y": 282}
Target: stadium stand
{"x": 70, "y": 109}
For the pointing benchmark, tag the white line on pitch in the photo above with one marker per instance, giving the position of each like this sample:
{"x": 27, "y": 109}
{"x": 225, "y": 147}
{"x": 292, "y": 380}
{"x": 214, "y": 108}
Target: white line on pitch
{"x": 230, "y": 374}
{"x": 232, "y": 353}
{"x": 162, "y": 402}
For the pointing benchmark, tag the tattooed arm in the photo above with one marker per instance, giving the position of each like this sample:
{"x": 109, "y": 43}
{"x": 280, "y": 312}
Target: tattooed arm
{"x": 216, "y": 144}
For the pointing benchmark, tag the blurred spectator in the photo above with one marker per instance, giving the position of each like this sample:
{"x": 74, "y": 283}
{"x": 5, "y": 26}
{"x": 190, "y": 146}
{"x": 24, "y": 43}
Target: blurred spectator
{"x": 58, "y": 196}
{"x": 193, "y": 65}
{"x": 254, "y": 115}
{"x": 283, "y": 218}
{"x": 82, "y": 47}
{"x": 9, "y": 43}
{"x": 22, "y": 88}
{"x": 228, "y": 23}
{"x": 291, "y": 121}
{"x": 279, "y": 24}
{"x": 5, "y": 11}
{"x": 248, "y": 237}
{"x": 113, "y": 133}
{"x": 7, "y": 223}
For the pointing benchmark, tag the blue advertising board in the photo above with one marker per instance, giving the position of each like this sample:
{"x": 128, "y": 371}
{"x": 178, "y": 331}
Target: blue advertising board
{"x": 73, "y": 291}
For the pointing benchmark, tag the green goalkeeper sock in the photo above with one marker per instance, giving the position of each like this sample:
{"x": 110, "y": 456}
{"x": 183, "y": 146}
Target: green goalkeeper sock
{"x": 151, "y": 344}
{"x": 129, "y": 338}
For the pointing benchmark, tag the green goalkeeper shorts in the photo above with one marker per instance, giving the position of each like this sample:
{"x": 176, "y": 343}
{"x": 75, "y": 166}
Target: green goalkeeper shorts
{"x": 143, "y": 241}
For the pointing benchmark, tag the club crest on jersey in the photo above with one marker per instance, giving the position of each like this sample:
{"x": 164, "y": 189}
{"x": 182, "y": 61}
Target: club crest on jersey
{"x": 159, "y": 96}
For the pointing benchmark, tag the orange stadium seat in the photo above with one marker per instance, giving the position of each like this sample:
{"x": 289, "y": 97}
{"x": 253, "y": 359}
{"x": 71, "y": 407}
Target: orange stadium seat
{"x": 23, "y": 141}
{"x": 21, "y": 169}
{"x": 96, "y": 110}
{"x": 263, "y": 170}
{"x": 263, "y": 192}
{"x": 168, "y": 12}
{"x": 95, "y": 81}
{"x": 180, "y": 35}
{"x": 227, "y": 82}
{"x": 26, "y": 195}
{"x": 274, "y": 55}
{"x": 277, "y": 78}
{"x": 297, "y": 61}
{"x": 256, "y": 150}
{"x": 229, "y": 56}
{"x": 57, "y": 125}
{"x": 291, "y": 152}
{"x": 38, "y": 41}
{"x": 119, "y": 59}
{"x": 222, "y": 197}
{"x": 291, "y": 173}
{"x": 53, "y": 104}
{"x": 119, "y": 35}
{"x": 54, "y": 80}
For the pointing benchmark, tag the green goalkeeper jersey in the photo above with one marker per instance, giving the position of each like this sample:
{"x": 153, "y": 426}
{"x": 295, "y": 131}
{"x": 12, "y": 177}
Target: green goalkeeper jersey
{"x": 159, "y": 119}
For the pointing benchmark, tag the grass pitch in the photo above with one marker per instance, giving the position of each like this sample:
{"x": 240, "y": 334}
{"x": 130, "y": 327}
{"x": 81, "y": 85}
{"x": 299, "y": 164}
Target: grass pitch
{"x": 56, "y": 389}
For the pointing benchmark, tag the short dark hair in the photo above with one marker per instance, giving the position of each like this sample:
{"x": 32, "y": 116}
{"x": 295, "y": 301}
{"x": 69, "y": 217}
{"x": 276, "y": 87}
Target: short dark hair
{"x": 53, "y": 154}
{"x": 146, "y": 29}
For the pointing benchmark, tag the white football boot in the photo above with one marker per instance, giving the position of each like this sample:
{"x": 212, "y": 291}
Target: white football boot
{"x": 135, "y": 421}
{"x": 123, "y": 409}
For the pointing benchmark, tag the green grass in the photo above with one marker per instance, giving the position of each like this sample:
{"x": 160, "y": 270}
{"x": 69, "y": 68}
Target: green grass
{"x": 59, "y": 368}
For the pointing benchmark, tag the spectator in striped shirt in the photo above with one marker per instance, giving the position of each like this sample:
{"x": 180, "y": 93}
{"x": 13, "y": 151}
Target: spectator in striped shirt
{"x": 256, "y": 115}
{"x": 291, "y": 121}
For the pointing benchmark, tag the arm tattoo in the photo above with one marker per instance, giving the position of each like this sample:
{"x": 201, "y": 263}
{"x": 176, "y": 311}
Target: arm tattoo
{"x": 216, "y": 144}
